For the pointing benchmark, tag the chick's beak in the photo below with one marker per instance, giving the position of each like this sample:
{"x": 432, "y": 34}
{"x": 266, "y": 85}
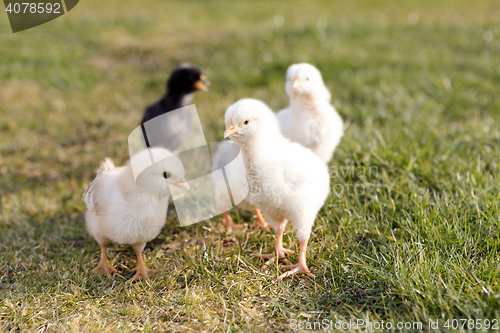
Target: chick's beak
{"x": 202, "y": 83}
{"x": 230, "y": 130}
{"x": 182, "y": 184}
{"x": 296, "y": 83}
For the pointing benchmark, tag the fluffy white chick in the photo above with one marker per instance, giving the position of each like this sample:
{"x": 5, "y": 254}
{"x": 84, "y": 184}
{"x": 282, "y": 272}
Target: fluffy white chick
{"x": 287, "y": 181}
{"x": 120, "y": 211}
{"x": 310, "y": 119}
{"x": 222, "y": 157}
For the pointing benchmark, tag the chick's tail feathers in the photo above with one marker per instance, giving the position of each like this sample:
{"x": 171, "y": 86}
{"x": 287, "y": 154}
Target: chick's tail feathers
{"x": 88, "y": 197}
{"x": 106, "y": 165}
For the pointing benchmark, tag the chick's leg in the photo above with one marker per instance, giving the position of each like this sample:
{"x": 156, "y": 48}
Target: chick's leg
{"x": 261, "y": 222}
{"x": 300, "y": 267}
{"x": 104, "y": 265}
{"x": 141, "y": 270}
{"x": 279, "y": 250}
{"x": 230, "y": 225}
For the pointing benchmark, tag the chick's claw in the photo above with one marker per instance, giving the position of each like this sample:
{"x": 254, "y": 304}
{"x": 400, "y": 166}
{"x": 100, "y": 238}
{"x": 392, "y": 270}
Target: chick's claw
{"x": 265, "y": 256}
{"x": 272, "y": 256}
{"x": 104, "y": 267}
{"x": 232, "y": 227}
{"x": 300, "y": 267}
{"x": 295, "y": 269}
{"x": 270, "y": 261}
{"x": 281, "y": 254}
{"x": 262, "y": 226}
{"x": 144, "y": 273}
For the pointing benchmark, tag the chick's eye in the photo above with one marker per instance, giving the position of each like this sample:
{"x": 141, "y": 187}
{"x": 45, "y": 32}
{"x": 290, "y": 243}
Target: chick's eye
{"x": 246, "y": 122}
{"x": 166, "y": 175}
{"x": 307, "y": 79}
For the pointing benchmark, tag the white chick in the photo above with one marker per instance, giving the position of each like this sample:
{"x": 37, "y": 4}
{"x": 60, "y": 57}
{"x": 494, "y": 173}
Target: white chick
{"x": 120, "y": 211}
{"x": 310, "y": 119}
{"x": 222, "y": 157}
{"x": 287, "y": 181}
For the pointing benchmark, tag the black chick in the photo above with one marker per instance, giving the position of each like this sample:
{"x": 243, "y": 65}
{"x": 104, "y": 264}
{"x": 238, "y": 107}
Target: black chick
{"x": 184, "y": 80}
{"x": 173, "y": 132}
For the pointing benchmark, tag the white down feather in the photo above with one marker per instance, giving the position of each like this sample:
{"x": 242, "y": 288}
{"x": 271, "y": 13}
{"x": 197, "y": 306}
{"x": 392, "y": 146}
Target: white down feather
{"x": 285, "y": 179}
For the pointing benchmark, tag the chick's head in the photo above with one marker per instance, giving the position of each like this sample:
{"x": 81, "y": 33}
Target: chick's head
{"x": 248, "y": 119}
{"x": 305, "y": 80}
{"x": 165, "y": 170}
{"x": 186, "y": 79}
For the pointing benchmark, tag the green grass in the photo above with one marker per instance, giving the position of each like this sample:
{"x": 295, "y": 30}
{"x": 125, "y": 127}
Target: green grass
{"x": 418, "y": 241}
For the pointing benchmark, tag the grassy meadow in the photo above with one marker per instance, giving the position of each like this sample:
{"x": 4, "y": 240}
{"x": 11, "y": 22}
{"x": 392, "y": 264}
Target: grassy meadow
{"x": 410, "y": 232}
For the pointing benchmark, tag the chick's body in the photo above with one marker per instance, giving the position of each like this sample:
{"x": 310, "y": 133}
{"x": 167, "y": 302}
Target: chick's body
{"x": 175, "y": 131}
{"x": 123, "y": 212}
{"x": 117, "y": 200}
{"x": 287, "y": 181}
{"x": 183, "y": 82}
{"x": 310, "y": 119}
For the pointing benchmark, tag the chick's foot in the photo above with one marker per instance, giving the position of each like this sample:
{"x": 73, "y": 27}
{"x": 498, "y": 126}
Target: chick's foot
{"x": 299, "y": 268}
{"x": 104, "y": 267}
{"x": 230, "y": 225}
{"x": 278, "y": 253}
{"x": 144, "y": 273}
{"x": 141, "y": 270}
